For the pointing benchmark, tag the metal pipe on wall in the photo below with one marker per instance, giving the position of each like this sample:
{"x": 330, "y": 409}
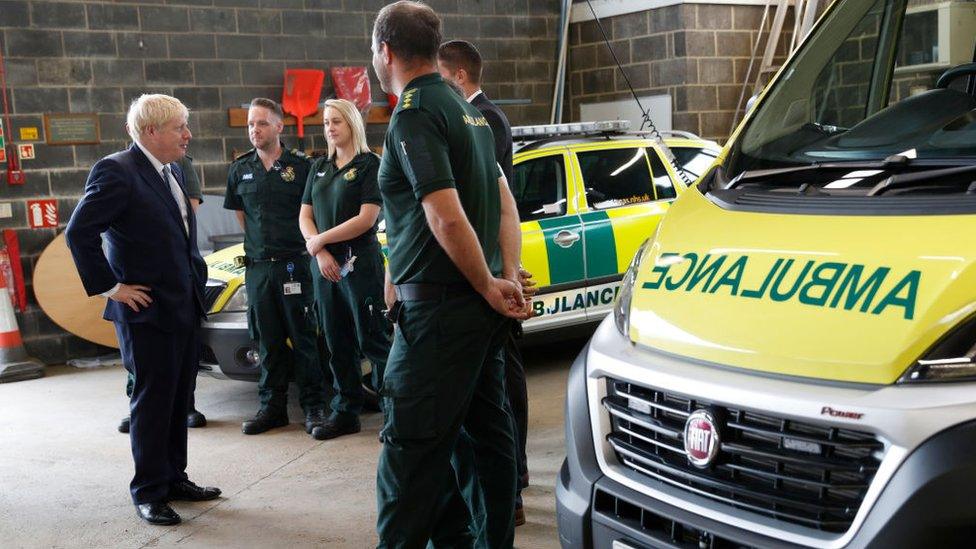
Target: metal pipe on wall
{"x": 556, "y": 113}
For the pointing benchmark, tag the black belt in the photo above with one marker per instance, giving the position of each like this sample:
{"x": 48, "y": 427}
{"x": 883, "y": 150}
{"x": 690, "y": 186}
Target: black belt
{"x": 252, "y": 260}
{"x": 428, "y": 292}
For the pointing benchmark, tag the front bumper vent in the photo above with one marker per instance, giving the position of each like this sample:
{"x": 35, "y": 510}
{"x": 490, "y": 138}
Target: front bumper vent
{"x": 795, "y": 471}
{"x": 661, "y": 529}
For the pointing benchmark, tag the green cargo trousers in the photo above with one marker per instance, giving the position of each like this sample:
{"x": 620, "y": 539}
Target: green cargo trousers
{"x": 275, "y": 318}
{"x": 445, "y": 372}
{"x": 351, "y": 312}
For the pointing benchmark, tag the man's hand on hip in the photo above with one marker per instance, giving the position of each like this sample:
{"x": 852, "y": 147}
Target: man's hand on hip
{"x": 133, "y": 295}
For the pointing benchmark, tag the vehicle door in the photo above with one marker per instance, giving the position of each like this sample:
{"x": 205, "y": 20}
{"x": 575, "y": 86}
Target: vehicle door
{"x": 552, "y": 239}
{"x": 627, "y": 190}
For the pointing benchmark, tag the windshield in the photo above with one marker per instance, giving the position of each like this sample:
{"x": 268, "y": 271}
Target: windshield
{"x": 876, "y": 78}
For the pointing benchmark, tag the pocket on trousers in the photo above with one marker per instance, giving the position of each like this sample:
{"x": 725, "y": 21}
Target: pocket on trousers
{"x": 411, "y": 411}
{"x": 377, "y": 322}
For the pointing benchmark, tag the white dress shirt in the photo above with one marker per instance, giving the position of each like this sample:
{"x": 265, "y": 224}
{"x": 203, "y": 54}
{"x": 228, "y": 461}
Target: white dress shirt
{"x": 471, "y": 97}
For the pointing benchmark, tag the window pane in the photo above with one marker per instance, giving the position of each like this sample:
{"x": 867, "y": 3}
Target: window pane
{"x": 840, "y": 93}
{"x": 693, "y": 160}
{"x": 663, "y": 186}
{"x": 540, "y": 188}
{"x": 615, "y": 178}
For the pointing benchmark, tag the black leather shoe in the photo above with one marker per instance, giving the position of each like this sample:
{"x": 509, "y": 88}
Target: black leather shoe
{"x": 265, "y": 420}
{"x": 124, "y": 426}
{"x": 195, "y": 419}
{"x": 314, "y": 418}
{"x": 336, "y": 426}
{"x": 157, "y": 513}
{"x": 188, "y": 491}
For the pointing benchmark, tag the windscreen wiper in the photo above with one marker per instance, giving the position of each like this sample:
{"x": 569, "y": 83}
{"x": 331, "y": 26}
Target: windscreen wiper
{"x": 961, "y": 176}
{"x": 789, "y": 176}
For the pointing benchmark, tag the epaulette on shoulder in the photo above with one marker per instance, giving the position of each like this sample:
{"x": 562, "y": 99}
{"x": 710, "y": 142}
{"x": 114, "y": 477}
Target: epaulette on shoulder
{"x": 409, "y": 99}
{"x": 243, "y": 154}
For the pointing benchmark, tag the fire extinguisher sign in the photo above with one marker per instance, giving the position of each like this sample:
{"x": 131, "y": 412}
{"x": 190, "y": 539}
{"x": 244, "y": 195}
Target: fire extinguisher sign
{"x": 42, "y": 214}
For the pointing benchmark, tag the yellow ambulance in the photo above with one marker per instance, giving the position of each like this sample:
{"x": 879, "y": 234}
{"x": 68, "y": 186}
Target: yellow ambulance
{"x": 791, "y": 361}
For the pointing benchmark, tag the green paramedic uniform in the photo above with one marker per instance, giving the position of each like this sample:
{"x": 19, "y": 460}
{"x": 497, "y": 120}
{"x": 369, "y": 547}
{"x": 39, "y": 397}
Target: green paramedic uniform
{"x": 446, "y": 370}
{"x": 278, "y": 281}
{"x": 351, "y": 310}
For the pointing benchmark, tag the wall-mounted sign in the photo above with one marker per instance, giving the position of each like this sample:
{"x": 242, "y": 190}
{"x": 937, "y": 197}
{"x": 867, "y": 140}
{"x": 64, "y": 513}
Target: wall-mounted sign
{"x": 72, "y": 129}
{"x": 25, "y": 151}
{"x": 3, "y": 154}
{"x": 29, "y": 133}
{"x": 42, "y": 214}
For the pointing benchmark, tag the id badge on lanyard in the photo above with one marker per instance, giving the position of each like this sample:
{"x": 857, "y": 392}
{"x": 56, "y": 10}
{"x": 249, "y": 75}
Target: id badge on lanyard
{"x": 292, "y": 287}
{"x": 349, "y": 265}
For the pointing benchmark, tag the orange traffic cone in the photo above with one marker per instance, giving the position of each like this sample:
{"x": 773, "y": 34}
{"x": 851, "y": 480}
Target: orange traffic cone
{"x": 15, "y": 365}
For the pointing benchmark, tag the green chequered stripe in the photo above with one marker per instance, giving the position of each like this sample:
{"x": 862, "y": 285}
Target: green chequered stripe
{"x": 565, "y": 264}
{"x": 601, "y": 246}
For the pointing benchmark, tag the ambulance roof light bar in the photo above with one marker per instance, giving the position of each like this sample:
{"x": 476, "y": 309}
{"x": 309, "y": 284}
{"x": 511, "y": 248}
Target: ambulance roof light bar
{"x": 572, "y": 128}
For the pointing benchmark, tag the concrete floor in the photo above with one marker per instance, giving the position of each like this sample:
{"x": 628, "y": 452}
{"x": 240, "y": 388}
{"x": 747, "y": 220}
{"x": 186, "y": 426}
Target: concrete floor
{"x": 64, "y": 470}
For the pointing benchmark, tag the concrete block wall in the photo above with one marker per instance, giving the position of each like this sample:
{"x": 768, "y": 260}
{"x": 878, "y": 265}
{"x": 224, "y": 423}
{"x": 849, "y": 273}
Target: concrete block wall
{"x": 697, "y": 53}
{"x": 96, "y": 56}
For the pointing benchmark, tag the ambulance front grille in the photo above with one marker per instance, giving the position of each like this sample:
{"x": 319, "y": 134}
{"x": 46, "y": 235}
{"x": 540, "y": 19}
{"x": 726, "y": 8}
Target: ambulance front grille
{"x": 796, "y": 471}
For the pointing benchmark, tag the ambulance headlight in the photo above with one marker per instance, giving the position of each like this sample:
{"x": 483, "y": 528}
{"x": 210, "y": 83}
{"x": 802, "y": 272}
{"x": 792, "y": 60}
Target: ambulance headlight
{"x": 621, "y": 308}
{"x": 237, "y": 302}
{"x": 953, "y": 358}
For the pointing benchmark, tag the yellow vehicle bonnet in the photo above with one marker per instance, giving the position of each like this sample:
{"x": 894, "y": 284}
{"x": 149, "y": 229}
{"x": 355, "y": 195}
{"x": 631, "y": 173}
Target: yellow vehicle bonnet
{"x": 833, "y": 241}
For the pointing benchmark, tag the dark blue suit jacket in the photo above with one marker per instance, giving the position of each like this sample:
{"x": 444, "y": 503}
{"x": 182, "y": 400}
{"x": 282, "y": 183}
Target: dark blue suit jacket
{"x": 501, "y": 131}
{"x": 126, "y": 199}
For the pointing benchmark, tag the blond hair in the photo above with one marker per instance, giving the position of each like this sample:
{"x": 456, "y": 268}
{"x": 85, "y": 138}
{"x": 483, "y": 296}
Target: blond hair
{"x": 351, "y": 115}
{"x": 153, "y": 110}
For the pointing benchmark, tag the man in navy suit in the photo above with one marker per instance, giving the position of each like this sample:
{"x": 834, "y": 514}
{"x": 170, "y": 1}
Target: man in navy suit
{"x": 153, "y": 277}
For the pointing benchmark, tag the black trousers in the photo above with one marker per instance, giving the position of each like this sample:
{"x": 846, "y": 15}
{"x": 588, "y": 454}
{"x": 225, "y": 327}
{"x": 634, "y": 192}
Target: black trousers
{"x": 130, "y": 383}
{"x": 518, "y": 399}
{"x": 164, "y": 365}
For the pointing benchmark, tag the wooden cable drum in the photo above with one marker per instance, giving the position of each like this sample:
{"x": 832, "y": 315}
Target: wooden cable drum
{"x": 61, "y": 296}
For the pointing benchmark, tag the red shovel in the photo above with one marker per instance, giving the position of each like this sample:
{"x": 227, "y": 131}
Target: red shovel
{"x": 300, "y": 97}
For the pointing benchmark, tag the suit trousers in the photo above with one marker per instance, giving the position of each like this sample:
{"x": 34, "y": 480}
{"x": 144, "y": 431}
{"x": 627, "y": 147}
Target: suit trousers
{"x": 518, "y": 399}
{"x": 130, "y": 383}
{"x": 164, "y": 366}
